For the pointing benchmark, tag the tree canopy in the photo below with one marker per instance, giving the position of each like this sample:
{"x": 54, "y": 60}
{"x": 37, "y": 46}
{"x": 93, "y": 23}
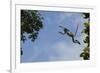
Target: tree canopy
{"x": 86, "y": 51}
{"x": 31, "y": 23}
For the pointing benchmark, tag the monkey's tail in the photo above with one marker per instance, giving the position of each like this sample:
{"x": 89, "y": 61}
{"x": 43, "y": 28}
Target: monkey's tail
{"x": 76, "y": 29}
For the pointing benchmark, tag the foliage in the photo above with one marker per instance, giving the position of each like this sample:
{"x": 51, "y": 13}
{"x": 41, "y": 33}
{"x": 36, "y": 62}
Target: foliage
{"x": 86, "y": 15}
{"x": 31, "y": 23}
{"x": 85, "y": 54}
{"x": 86, "y": 51}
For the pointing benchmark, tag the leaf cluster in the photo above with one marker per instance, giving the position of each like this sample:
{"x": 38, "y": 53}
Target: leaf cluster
{"x": 86, "y": 51}
{"x": 31, "y": 23}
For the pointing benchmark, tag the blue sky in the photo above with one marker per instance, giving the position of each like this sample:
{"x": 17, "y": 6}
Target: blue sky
{"x": 51, "y": 45}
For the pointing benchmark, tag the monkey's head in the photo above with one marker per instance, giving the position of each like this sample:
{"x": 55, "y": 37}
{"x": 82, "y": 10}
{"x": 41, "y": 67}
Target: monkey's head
{"x": 65, "y": 29}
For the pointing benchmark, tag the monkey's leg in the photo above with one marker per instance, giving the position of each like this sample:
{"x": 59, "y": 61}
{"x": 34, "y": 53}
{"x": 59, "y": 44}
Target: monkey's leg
{"x": 73, "y": 39}
{"x": 77, "y": 42}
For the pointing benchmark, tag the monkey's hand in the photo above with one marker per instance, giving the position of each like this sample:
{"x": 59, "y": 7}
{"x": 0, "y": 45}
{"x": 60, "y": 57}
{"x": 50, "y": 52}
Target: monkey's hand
{"x": 61, "y": 33}
{"x": 61, "y": 27}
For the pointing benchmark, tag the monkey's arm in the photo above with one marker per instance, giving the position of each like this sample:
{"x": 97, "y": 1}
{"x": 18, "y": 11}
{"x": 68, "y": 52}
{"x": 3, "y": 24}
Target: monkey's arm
{"x": 61, "y": 33}
{"x": 64, "y": 28}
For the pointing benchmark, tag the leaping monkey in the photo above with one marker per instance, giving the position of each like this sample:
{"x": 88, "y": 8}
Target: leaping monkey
{"x": 70, "y": 34}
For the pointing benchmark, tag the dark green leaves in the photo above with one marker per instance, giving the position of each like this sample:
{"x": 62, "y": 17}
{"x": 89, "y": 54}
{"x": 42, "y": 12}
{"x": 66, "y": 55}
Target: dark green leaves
{"x": 86, "y": 15}
{"x": 31, "y": 23}
{"x": 86, "y": 53}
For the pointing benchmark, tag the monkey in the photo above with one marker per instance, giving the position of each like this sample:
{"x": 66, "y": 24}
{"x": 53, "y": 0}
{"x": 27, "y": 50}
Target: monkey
{"x": 70, "y": 34}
